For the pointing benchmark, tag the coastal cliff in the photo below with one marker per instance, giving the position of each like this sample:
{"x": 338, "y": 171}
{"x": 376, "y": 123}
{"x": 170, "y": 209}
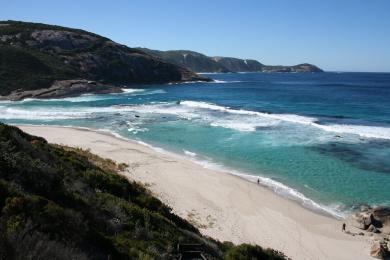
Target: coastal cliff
{"x": 35, "y": 57}
{"x": 198, "y": 62}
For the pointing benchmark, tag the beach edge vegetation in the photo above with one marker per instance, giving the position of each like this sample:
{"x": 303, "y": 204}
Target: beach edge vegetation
{"x": 65, "y": 203}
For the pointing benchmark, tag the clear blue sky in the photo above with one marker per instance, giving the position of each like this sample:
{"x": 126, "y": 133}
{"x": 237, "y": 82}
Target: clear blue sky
{"x": 338, "y": 35}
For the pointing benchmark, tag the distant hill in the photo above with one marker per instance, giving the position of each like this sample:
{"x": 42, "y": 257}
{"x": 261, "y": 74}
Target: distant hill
{"x": 239, "y": 65}
{"x": 39, "y": 56}
{"x": 188, "y": 59}
{"x": 198, "y": 62}
{"x": 65, "y": 203}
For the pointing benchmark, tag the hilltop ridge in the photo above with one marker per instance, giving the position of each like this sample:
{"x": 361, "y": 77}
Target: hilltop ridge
{"x": 54, "y": 61}
{"x": 199, "y": 62}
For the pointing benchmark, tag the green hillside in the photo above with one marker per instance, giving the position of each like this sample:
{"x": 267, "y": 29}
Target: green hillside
{"x": 65, "y": 203}
{"x": 33, "y": 56}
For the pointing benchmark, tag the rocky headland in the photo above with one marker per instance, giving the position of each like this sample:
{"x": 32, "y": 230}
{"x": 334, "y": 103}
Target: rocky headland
{"x": 199, "y": 62}
{"x": 52, "y": 61}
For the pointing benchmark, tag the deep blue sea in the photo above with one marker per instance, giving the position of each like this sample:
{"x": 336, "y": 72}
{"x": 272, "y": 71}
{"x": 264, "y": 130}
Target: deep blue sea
{"x": 320, "y": 139}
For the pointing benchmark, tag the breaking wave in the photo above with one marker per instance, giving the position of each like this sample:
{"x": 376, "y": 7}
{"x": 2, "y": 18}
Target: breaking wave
{"x": 212, "y": 114}
{"x": 360, "y": 130}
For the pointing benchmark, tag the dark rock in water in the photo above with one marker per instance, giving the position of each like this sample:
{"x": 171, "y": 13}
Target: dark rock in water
{"x": 136, "y": 115}
{"x": 358, "y": 154}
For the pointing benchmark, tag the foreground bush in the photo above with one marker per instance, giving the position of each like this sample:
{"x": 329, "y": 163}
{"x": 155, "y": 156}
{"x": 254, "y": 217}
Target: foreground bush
{"x": 65, "y": 203}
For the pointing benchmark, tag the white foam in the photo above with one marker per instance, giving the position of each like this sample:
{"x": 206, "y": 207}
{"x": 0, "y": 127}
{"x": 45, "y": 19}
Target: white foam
{"x": 236, "y": 119}
{"x": 243, "y": 124}
{"x": 160, "y": 108}
{"x": 147, "y": 92}
{"x": 218, "y": 81}
{"x": 277, "y": 187}
{"x": 55, "y": 113}
{"x": 132, "y": 90}
{"x": 136, "y": 127}
{"x": 191, "y": 154}
{"x": 11, "y": 113}
{"x": 360, "y": 130}
{"x": 283, "y": 117}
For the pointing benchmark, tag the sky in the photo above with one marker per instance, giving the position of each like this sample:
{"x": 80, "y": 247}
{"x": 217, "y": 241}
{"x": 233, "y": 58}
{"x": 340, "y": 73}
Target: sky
{"x": 336, "y": 35}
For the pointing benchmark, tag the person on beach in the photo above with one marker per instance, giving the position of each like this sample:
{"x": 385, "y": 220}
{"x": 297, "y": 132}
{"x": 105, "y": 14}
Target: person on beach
{"x": 344, "y": 225}
{"x": 258, "y": 181}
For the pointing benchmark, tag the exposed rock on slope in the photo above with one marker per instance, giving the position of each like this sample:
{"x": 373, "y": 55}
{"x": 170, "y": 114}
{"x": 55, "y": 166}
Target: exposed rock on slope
{"x": 34, "y": 56}
{"x": 239, "y": 65}
{"x": 64, "y": 88}
{"x": 189, "y": 59}
{"x": 201, "y": 63}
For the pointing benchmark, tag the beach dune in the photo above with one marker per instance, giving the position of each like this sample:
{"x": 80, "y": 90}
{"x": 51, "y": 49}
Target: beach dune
{"x": 221, "y": 205}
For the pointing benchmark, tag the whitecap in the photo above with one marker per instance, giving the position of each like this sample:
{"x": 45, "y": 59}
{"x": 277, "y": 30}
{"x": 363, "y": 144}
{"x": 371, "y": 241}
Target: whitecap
{"x": 132, "y": 90}
{"x": 191, "y": 154}
{"x": 360, "y": 130}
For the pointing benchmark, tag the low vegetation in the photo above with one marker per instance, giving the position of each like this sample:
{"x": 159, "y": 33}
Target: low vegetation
{"x": 65, "y": 203}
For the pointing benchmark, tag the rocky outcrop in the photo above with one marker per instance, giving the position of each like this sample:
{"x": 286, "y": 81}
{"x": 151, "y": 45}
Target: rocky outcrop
{"x": 382, "y": 214}
{"x": 300, "y": 68}
{"x": 380, "y": 250}
{"x": 34, "y": 56}
{"x": 372, "y": 220}
{"x": 375, "y": 223}
{"x": 201, "y": 63}
{"x": 64, "y": 88}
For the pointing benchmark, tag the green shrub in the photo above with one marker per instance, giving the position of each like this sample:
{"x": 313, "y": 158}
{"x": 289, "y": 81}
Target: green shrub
{"x": 59, "y": 203}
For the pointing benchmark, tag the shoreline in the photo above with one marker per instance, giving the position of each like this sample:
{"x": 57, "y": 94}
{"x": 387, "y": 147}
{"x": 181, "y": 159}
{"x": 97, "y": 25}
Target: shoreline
{"x": 265, "y": 182}
{"x": 222, "y": 205}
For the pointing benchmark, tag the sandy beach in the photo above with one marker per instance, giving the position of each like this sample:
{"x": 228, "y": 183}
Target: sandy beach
{"x": 221, "y": 205}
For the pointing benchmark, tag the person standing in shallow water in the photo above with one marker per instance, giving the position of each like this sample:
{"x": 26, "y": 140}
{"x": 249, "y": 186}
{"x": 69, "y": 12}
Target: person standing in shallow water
{"x": 344, "y": 225}
{"x": 258, "y": 181}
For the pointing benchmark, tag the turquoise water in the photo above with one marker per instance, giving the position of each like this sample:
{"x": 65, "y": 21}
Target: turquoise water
{"x": 320, "y": 139}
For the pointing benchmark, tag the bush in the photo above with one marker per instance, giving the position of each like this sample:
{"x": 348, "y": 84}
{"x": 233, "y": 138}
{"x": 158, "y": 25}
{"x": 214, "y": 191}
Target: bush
{"x": 57, "y": 202}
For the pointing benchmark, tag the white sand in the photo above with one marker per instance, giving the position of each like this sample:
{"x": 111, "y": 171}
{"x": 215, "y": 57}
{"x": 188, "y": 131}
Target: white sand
{"x": 224, "y": 206}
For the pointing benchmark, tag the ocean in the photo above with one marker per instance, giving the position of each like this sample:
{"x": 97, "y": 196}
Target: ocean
{"x": 321, "y": 139}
